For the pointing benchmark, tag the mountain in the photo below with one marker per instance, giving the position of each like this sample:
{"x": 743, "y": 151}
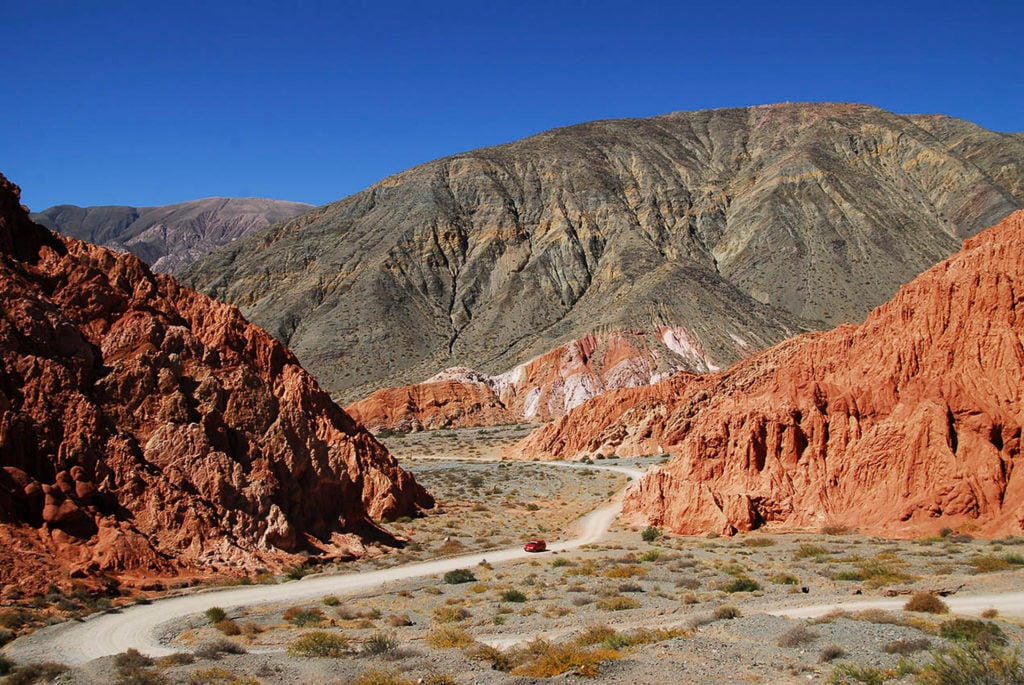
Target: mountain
{"x": 738, "y": 227}
{"x": 903, "y": 425}
{"x": 147, "y": 430}
{"x": 171, "y": 237}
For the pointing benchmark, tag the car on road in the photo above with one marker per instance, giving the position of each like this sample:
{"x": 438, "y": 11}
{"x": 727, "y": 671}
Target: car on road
{"x": 535, "y": 546}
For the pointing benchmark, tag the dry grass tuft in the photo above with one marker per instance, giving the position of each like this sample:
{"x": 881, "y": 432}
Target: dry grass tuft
{"x": 926, "y": 602}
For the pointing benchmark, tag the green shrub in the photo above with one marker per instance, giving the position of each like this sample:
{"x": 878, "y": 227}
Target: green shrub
{"x": 741, "y": 584}
{"x": 559, "y": 562}
{"x": 513, "y": 596}
{"x": 380, "y": 643}
{"x": 855, "y": 673}
{"x": 974, "y": 665}
{"x": 650, "y": 534}
{"x": 35, "y": 673}
{"x": 319, "y": 643}
{"x": 971, "y": 630}
{"x": 331, "y": 601}
{"x": 215, "y": 614}
{"x": 459, "y": 575}
{"x": 304, "y": 617}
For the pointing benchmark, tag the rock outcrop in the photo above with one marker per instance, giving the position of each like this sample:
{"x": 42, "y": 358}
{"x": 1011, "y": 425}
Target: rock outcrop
{"x": 741, "y": 226}
{"x": 147, "y": 430}
{"x": 541, "y": 389}
{"x": 169, "y": 237}
{"x": 902, "y": 425}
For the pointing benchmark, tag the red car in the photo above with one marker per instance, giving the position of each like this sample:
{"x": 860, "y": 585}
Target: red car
{"x": 535, "y": 546}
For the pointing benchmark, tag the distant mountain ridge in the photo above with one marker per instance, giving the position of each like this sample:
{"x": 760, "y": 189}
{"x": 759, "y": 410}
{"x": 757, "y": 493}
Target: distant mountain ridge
{"x": 169, "y": 237}
{"x": 735, "y": 227}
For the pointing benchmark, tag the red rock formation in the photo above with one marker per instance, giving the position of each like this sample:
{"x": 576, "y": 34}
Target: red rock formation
{"x": 149, "y": 430}
{"x": 902, "y": 425}
{"x": 539, "y": 390}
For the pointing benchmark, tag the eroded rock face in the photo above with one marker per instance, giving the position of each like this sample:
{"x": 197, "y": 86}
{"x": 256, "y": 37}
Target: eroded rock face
{"x": 147, "y": 430}
{"x": 902, "y": 425}
{"x": 541, "y": 389}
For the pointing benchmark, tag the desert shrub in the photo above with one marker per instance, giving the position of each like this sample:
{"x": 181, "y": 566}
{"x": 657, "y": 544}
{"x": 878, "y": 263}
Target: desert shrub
{"x": 6, "y": 635}
{"x": 982, "y": 633}
{"x": 630, "y": 587}
{"x": 831, "y": 653}
{"x": 251, "y": 629}
{"x": 797, "y": 636}
{"x": 303, "y": 617}
{"x": 319, "y": 643}
{"x": 376, "y": 677}
{"x": 974, "y": 665}
{"x": 131, "y": 659}
{"x": 559, "y": 562}
{"x": 215, "y": 614}
{"x": 906, "y": 646}
{"x": 513, "y": 596}
{"x": 926, "y": 602}
{"x": 612, "y": 639}
{"x": 380, "y": 643}
{"x": 13, "y": 619}
{"x": 498, "y": 659}
{"x": 617, "y": 603}
{"x": 988, "y": 613}
{"x": 784, "y": 579}
{"x": 6, "y": 665}
{"x": 834, "y": 529}
{"x": 215, "y": 649}
{"x": 34, "y": 673}
{"x": 650, "y": 534}
{"x": 741, "y": 584}
{"x": 726, "y": 612}
{"x": 448, "y": 637}
{"x": 448, "y": 614}
{"x": 218, "y": 676}
{"x": 989, "y": 563}
{"x": 806, "y": 551}
{"x": 331, "y": 601}
{"x": 399, "y": 620}
{"x": 228, "y": 627}
{"x": 625, "y": 571}
{"x": 545, "y": 660}
{"x": 650, "y": 555}
{"x": 297, "y": 572}
{"x": 758, "y": 542}
{"x": 855, "y": 673}
{"x": 459, "y": 575}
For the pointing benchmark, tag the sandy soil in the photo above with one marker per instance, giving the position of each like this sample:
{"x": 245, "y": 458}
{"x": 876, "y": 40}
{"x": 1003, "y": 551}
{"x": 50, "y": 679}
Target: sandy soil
{"x": 530, "y": 612}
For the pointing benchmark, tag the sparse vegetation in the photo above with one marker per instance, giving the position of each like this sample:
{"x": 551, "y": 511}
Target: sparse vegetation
{"x": 617, "y": 603}
{"x": 218, "y": 676}
{"x": 726, "y": 612}
{"x": 513, "y": 596}
{"x": 650, "y": 534}
{"x": 459, "y": 575}
{"x": 741, "y": 584}
{"x": 215, "y": 615}
{"x": 845, "y": 673}
{"x": 215, "y": 649}
{"x": 926, "y": 602}
{"x": 319, "y": 643}
{"x": 906, "y": 646}
{"x": 449, "y": 637}
{"x": 973, "y": 664}
{"x": 797, "y": 636}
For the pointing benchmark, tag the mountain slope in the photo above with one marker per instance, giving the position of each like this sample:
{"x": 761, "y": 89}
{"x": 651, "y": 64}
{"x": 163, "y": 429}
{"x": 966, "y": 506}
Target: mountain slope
{"x": 732, "y": 225}
{"x": 170, "y": 237}
{"x": 903, "y": 425}
{"x": 147, "y": 430}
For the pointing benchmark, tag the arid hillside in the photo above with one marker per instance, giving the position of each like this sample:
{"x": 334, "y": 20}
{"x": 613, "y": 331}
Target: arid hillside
{"x": 148, "y": 431}
{"x": 736, "y": 227}
{"x": 905, "y": 424}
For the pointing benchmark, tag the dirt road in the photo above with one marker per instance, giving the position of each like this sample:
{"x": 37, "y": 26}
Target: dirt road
{"x": 139, "y": 626}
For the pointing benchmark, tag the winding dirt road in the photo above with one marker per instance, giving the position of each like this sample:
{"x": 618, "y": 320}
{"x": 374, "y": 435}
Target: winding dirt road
{"x": 139, "y": 626}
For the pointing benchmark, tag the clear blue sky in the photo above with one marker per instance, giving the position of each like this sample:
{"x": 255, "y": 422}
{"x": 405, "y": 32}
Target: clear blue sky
{"x": 144, "y": 103}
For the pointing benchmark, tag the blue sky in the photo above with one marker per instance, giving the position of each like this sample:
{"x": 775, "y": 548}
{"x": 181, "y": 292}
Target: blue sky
{"x": 145, "y": 103}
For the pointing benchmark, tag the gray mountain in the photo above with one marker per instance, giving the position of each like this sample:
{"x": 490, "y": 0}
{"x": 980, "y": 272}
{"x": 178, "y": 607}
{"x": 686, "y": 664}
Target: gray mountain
{"x": 735, "y": 227}
{"x": 172, "y": 236}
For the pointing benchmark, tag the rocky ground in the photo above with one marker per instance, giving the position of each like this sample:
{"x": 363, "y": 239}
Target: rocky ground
{"x": 637, "y": 608}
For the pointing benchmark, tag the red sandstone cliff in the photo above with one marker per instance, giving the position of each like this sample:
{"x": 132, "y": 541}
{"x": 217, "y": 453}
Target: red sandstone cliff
{"x": 539, "y": 390}
{"x": 147, "y": 430}
{"x": 906, "y": 423}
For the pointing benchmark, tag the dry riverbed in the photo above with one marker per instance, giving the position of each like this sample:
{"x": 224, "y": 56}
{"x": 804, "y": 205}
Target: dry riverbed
{"x": 639, "y": 607}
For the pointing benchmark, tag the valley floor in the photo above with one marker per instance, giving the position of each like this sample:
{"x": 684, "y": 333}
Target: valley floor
{"x": 637, "y": 607}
